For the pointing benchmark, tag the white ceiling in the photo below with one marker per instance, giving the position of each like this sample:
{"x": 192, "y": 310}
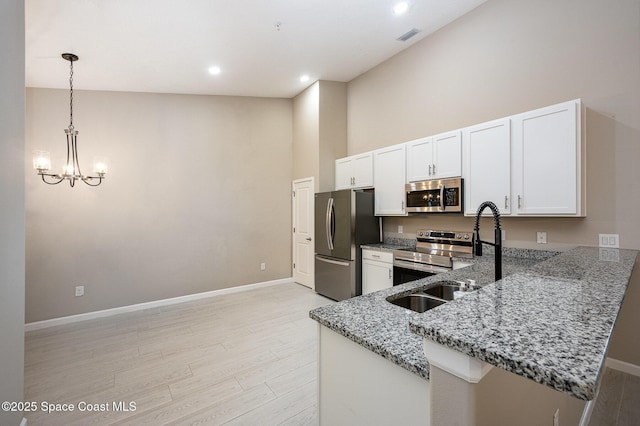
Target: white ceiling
{"x": 167, "y": 46}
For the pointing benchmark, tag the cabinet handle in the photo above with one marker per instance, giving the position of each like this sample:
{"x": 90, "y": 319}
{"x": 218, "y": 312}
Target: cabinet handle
{"x": 429, "y": 169}
{"x": 390, "y": 274}
{"x": 377, "y": 256}
{"x": 519, "y": 202}
{"x": 434, "y": 169}
{"x": 308, "y": 239}
{"x": 354, "y": 180}
{"x": 506, "y": 202}
{"x": 402, "y": 205}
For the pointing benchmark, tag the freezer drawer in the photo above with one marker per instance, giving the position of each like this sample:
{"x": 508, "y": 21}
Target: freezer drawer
{"x": 336, "y": 278}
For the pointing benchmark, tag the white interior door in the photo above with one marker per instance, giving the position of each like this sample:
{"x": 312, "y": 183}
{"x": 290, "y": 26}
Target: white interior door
{"x": 303, "y": 226}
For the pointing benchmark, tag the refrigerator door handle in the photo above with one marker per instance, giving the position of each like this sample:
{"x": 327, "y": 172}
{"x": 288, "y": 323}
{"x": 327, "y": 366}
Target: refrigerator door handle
{"x": 334, "y": 262}
{"x": 327, "y": 224}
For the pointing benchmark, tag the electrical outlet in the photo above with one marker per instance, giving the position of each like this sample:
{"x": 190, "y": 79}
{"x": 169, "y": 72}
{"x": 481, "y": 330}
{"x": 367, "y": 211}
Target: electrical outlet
{"x": 79, "y": 290}
{"x": 609, "y": 240}
{"x": 541, "y": 237}
{"x": 400, "y": 229}
{"x": 263, "y": 266}
{"x": 556, "y": 418}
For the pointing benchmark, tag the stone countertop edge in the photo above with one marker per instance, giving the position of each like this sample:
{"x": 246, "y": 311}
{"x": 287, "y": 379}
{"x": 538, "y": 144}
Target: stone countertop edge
{"x": 551, "y": 323}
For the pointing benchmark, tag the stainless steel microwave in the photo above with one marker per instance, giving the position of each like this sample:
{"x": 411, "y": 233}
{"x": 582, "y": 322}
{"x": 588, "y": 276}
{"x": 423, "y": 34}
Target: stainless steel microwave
{"x": 435, "y": 196}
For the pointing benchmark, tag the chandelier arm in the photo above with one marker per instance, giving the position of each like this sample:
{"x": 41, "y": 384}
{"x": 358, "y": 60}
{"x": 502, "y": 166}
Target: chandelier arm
{"x": 74, "y": 150}
{"x": 66, "y": 170}
{"x": 60, "y": 179}
{"x": 88, "y": 178}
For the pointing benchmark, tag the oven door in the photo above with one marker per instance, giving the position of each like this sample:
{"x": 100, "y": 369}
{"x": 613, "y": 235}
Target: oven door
{"x": 435, "y": 196}
{"x": 405, "y": 271}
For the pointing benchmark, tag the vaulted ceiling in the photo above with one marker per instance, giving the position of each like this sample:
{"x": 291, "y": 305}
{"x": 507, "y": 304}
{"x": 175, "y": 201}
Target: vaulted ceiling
{"x": 262, "y": 47}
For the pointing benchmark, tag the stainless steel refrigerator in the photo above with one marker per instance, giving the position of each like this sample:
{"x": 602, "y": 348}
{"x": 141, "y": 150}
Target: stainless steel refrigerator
{"x": 343, "y": 221}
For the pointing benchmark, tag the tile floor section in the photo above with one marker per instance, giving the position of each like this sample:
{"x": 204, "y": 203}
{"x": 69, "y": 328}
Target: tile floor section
{"x": 618, "y": 401}
{"x": 247, "y": 358}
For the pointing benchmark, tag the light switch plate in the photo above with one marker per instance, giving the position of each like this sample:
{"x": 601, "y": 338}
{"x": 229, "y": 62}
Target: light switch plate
{"x": 541, "y": 237}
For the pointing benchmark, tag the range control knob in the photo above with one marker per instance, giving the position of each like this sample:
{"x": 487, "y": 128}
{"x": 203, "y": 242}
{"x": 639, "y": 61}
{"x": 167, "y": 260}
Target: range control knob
{"x": 426, "y": 234}
{"x": 420, "y": 233}
{"x": 458, "y": 236}
{"x": 466, "y": 236}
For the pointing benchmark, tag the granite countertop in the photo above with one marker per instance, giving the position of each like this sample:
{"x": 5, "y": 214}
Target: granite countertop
{"x": 549, "y": 319}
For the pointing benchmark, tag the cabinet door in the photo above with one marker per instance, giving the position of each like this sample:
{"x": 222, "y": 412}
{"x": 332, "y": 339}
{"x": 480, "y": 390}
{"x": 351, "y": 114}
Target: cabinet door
{"x": 546, "y": 152}
{"x": 419, "y": 159}
{"x": 344, "y": 177}
{"x": 389, "y": 179}
{"x": 376, "y": 276}
{"x": 487, "y": 165}
{"x": 362, "y": 169}
{"x": 447, "y": 155}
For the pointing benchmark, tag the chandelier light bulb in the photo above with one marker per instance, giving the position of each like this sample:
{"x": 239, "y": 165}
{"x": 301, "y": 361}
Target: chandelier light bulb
{"x": 41, "y": 160}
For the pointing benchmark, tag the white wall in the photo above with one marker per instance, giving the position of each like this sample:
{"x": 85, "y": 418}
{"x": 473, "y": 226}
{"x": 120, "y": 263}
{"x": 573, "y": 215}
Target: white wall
{"x": 197, "y": 196}
{"x": 12, "y": 207}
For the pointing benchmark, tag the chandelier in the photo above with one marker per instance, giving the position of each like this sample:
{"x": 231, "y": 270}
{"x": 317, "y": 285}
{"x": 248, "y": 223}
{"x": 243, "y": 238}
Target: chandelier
{"x": 71, "y": 170}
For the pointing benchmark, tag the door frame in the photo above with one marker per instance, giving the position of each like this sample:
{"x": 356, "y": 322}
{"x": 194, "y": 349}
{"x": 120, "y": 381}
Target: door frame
{"x": 311, "y": 208}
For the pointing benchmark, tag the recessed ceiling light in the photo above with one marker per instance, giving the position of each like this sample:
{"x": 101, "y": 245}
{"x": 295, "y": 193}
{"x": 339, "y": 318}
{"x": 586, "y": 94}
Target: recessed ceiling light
{"x": 401, "y": 8}
{"x": 214, "y": 70}
{"x": 304, "y": 78}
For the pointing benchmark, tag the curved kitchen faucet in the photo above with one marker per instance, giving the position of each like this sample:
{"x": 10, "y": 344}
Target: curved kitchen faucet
{"x": 497, "y": 239}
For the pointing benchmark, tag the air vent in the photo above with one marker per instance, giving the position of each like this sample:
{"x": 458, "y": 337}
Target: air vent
{"x": 406, "y": 36}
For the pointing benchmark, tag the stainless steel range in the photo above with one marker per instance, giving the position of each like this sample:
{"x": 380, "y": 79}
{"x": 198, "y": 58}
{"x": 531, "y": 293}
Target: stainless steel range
{"x": 433, "y": 254}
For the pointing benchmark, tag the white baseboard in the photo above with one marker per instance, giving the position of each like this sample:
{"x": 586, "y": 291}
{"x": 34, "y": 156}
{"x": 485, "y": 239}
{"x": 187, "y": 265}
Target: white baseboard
{"x": 623, "y": 366}
{"x": 140, "y": 306}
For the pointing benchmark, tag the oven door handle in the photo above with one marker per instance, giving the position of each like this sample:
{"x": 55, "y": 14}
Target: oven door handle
{"x": 423, "y": 267}
{"x": 442, "y": 197}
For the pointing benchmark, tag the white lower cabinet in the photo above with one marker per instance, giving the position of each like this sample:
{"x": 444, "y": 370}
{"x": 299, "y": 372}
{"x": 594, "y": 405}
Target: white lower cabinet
{"x": 377, "y": 270}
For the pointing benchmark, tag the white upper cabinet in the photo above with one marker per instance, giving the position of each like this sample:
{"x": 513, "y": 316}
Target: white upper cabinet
{"x": 355, "y": 171}
{"x": 546, "y": 171}
{"x": 434, "y": 157}
{"x": 419, "y": 159}
{"x": 487, "y": 165}
{"x": 389, "y": 172}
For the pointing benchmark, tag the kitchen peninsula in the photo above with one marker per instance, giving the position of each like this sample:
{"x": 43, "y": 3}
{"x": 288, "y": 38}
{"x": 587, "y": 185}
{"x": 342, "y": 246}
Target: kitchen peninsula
{"x": 546, "y": 325}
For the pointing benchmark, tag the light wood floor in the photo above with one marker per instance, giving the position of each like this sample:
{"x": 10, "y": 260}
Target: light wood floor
{"x": 247, "y": 358}
{"x": 618, "y": 401}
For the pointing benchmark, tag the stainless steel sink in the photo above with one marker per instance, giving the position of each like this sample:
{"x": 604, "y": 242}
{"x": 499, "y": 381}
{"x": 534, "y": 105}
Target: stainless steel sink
{"x": 417, "y": 302}
{"x": 443, "y": 290}
{"x": 424, "y": 299}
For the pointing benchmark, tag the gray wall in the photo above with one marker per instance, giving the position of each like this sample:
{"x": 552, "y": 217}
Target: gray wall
{"x": 319, "y": 132}
{"x": 510, "y": 56}
{"x": 197, "y": 196}
{"x": 12, "y": 257}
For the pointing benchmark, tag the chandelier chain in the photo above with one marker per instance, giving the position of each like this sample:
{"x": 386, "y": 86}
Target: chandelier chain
{"x": 71, "y": 96}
